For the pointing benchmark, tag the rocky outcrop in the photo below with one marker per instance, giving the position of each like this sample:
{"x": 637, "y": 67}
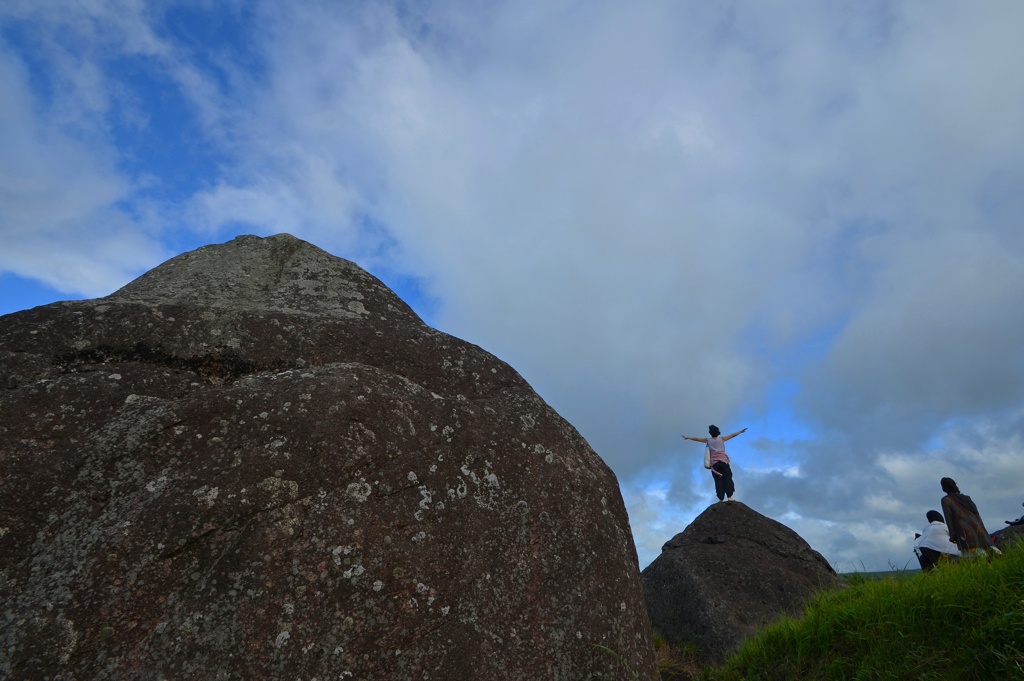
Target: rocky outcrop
{"x": 726, "y": 575}
{"x": 256, "y": 462}
{"x": 1009, "y": 534}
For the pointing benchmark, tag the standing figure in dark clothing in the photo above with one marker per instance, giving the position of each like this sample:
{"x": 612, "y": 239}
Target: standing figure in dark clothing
{"x": 721, "y": 471}
{"x": 966, "y": 529}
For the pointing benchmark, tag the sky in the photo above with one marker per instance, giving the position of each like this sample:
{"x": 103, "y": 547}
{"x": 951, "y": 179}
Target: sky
{"x": 797, "y": 217}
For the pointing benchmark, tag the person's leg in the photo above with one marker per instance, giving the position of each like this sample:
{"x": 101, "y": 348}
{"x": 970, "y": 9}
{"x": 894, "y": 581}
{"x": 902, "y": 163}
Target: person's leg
{"x": 929, "y": 558}
{"x": 716, "y": 473}
{"x": 727, "y": 483}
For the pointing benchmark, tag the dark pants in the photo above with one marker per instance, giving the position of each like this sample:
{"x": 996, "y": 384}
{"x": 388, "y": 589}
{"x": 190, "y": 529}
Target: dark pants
{"x": 723, "y": 481}
{"x": 930, "y": 558}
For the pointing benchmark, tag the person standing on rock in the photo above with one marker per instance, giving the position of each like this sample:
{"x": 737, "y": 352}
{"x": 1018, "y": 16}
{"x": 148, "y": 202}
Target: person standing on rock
{"x": 966, "y": 529}
{"x": 721, "y": 471}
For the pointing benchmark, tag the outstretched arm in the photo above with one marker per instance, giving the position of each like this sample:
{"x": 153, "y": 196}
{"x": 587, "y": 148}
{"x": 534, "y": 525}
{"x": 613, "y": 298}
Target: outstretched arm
{"x": 738, "y": 432}
{"x": 695, "y": 439}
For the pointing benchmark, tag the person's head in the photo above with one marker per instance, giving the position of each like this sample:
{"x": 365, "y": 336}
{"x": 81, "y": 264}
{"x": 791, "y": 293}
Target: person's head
{"x": 715, "y": 432}
{"x": 949, "y": 486}
{"x": 934, "y": 517}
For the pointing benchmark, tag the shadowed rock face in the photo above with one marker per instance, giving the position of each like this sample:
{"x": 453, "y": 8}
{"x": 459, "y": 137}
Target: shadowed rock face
{"x": 726, "y": 575}
{"x": 256, "y": 462}
{"x": 1007, "y": 536}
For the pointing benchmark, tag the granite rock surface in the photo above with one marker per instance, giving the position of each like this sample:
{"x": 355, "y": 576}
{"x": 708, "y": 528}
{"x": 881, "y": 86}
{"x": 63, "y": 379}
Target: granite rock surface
{"x": 256, "y": 462}
{"x": 730, "y": 572}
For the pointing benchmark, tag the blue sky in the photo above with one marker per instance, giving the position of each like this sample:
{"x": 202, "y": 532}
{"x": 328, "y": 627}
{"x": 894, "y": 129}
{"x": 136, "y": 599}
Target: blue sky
{"x": 798, "y": 217}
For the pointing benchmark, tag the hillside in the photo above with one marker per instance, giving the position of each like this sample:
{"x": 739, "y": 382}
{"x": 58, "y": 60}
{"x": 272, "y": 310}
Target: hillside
{"x": 963, "y": 622}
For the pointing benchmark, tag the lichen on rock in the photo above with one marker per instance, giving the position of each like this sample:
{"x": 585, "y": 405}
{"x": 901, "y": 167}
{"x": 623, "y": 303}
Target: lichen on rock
{"x": 256, "y": 462}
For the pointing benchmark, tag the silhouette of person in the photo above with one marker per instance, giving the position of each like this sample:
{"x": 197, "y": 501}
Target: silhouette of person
{"x": 934, "y": 544}
{"x": 964, "y": 522}
{"x": 721, "y": 471}
{"x": 1018, "y": 521}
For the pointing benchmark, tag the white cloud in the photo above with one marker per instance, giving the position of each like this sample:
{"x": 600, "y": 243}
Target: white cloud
{"x": 58, "y": 216}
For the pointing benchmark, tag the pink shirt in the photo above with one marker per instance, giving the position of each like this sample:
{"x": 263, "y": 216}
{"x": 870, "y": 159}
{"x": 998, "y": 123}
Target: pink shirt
{"x": 717, "y": 446}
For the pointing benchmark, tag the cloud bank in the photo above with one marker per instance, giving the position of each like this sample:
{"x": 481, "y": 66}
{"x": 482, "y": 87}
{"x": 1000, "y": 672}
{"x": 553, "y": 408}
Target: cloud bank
{"x": 795, "y": 217}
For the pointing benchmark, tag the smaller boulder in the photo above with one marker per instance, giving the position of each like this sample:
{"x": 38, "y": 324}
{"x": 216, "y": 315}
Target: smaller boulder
{"x": 728, "y": 574}
{"x": 1012, "y": 533}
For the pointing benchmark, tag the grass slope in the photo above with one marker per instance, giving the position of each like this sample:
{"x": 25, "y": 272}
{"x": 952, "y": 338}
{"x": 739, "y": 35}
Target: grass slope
{"x": 962, "y": 621}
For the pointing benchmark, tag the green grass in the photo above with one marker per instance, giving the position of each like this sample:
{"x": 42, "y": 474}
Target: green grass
{"x": 963, "y": 621}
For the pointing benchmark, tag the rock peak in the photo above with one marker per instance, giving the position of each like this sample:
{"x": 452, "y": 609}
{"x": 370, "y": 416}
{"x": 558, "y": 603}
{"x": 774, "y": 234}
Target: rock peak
{"x": 731, "y": 571}
{"x": 276, "y": 273}
{"x": 255, "y": 462}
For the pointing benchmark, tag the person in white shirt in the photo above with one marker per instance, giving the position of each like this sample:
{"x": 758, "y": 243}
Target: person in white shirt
{"x": 934, "y": 543}
{"x": 721, "y": 471}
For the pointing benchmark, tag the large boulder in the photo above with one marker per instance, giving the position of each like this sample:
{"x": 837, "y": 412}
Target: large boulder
{"x": 728, "y": 574}
{"x": 256, "y": 462}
